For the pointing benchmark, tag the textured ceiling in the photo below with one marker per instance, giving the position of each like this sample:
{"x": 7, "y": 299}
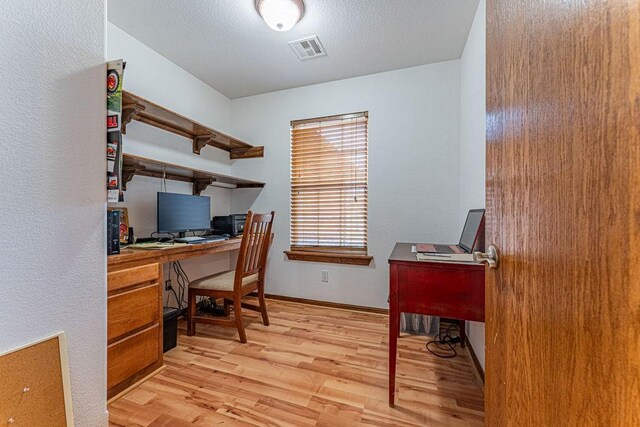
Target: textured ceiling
{"x": 227, "y": 45}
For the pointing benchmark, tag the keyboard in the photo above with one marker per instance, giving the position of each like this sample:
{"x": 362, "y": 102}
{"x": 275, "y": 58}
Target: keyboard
{"x": 189, "y": 239}
{"x": 443, "y": 249}
{"x": 207, "y": 239}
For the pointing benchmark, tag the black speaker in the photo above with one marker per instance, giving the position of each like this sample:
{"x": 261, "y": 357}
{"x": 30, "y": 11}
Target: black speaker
{"x": 113, "y": 232}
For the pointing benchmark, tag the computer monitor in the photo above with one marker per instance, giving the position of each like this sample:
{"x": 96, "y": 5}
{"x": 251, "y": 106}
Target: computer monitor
{"x": 471, "y": 229}
{"x": 179, "y": 213}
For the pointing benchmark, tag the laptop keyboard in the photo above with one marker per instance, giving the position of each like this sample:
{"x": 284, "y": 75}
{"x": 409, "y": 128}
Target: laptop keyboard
{"x": 443, "y": 249}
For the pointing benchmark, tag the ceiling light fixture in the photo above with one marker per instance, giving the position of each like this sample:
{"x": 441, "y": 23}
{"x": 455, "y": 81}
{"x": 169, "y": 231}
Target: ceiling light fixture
{"x": 280, "y": 15}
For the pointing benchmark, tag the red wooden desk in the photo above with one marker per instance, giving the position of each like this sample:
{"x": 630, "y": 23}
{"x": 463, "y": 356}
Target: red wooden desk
{"x": 434, "y": 288}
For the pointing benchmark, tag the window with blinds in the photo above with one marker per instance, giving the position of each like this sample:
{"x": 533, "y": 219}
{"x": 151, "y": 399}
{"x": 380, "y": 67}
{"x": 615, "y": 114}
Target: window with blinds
{"x": 329, "y": 184}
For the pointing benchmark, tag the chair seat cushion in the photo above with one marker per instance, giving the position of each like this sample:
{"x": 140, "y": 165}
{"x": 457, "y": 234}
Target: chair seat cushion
{"x": 222, "y": 281}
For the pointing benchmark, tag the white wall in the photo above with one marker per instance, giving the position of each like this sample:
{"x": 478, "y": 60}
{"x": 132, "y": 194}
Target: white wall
{"x": 152, "y": 76}
{"x": 413, "y": 171}
{"x": 472, "y": 139}
{"x": 52, "y": 187}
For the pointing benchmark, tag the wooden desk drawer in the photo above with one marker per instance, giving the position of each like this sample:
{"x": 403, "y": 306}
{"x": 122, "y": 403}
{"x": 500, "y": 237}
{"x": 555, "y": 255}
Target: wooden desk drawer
{"x": 131, "y": 310}
{"x": 132, "y": 354}
{"x": 442, "y": 291}
{"x": 130, "y": 277}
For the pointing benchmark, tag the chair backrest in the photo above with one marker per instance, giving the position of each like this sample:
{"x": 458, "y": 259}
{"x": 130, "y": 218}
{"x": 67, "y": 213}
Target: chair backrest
{"x": 254, "y": 248}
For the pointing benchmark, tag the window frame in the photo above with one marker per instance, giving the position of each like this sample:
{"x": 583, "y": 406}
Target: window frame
{"x": 329, "y": 254}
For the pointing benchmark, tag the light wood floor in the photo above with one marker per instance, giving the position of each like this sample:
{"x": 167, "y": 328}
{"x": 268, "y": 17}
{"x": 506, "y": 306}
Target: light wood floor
{"x": 313, "y": 366}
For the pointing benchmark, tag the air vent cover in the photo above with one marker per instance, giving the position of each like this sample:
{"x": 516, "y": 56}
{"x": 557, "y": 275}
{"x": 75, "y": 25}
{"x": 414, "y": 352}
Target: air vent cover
{"x": 307, "y": 48}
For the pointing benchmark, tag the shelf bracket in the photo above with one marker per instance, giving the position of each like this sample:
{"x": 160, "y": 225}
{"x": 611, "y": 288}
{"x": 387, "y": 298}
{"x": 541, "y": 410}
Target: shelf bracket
{"x": 200, "y": 184}
{"x": 128, "y": 172}
{"x": 199, "y": 142}
{"x": 246, "y": 153}
{"x": 129, "y": 111}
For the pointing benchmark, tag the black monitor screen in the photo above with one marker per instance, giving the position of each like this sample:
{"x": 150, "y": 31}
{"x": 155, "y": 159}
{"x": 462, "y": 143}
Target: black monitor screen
{"x": 470, "y": 230}
{"x": 183, "y": 212}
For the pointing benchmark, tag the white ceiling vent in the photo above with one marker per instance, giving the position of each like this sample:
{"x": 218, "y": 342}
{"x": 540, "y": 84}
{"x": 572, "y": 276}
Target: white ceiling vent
{"x": 307, "y": 48}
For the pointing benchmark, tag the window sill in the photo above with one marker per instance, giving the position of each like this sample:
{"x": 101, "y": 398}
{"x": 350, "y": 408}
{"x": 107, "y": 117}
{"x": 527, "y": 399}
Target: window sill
{"x": 329, "y": 257}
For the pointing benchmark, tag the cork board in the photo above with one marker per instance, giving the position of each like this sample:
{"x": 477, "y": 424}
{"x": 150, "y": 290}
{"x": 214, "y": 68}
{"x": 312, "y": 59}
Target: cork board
{"x": 35, "y": 385}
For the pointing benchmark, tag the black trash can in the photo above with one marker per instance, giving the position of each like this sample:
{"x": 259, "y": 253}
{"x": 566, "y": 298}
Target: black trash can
{"x": 170, "y": 332}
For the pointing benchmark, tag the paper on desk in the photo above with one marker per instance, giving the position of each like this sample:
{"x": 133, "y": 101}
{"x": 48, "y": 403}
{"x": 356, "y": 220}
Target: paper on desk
{"x": 155, "y": 245}
{"x": 445, "y": 257}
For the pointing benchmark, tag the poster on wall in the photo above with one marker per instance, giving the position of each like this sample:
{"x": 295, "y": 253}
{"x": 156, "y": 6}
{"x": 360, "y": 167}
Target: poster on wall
{"x": 115, "y": 71}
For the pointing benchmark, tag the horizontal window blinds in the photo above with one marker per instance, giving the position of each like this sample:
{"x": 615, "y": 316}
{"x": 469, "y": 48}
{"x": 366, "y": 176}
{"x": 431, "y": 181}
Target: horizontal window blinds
{"x": 329, "y": 183}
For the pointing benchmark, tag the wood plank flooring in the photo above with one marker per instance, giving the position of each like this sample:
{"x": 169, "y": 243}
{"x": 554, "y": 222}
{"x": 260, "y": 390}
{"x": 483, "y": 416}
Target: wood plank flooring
{"x": 313, "y": 366}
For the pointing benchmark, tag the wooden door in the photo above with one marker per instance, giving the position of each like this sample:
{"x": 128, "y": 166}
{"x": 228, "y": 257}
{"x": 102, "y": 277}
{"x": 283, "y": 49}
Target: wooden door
{"x": 563, "y": 208}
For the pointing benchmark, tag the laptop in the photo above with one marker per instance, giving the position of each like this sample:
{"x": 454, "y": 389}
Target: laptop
{"x": 468, "y": 239}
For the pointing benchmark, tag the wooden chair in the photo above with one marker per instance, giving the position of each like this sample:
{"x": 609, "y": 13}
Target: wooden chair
{"x": 233, "y": 285}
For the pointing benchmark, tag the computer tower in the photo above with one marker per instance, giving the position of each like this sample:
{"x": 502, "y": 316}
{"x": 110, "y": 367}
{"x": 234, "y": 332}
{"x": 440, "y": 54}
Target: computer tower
{"x": 113, "y": 232}
{"x": 233, "y": 225}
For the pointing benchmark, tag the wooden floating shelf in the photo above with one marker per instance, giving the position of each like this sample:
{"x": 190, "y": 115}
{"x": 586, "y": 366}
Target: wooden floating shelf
{"x": 135, "y": 107}
{"x": 136, "y": 165}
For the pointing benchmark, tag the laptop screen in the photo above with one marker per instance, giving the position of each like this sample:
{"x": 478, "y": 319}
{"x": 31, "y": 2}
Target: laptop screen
{"x": 470, "y": 230}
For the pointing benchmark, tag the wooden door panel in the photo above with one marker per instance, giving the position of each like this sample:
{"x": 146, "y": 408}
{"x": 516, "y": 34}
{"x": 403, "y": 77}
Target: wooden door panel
{"x": 563, "y": 207}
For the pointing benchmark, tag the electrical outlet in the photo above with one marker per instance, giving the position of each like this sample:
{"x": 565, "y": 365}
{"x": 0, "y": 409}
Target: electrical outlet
{"x": 167, "y": 285}
{"x": 325, "y": 276}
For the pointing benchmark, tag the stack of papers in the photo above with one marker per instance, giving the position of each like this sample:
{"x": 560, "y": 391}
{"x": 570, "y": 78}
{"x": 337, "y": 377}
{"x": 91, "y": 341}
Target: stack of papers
{"x": 155, "y": 245}
{"x": 445, "y": 257}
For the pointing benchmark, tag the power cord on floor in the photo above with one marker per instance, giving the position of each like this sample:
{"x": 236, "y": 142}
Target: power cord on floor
{"x": 444, "y": 344}
{"x": 208, "y": 306}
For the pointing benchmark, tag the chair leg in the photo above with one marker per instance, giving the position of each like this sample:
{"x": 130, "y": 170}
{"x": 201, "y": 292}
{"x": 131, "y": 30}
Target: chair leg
{"x": 263, "y": 305}
{"x": 191, "y": 313}
{"x": 226, "y": 307}
{"x": 237, "y": 310}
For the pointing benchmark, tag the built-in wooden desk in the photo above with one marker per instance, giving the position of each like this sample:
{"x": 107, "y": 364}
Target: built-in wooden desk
{"x": 134, "y": 309}
{"x": 132, "y": 257}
